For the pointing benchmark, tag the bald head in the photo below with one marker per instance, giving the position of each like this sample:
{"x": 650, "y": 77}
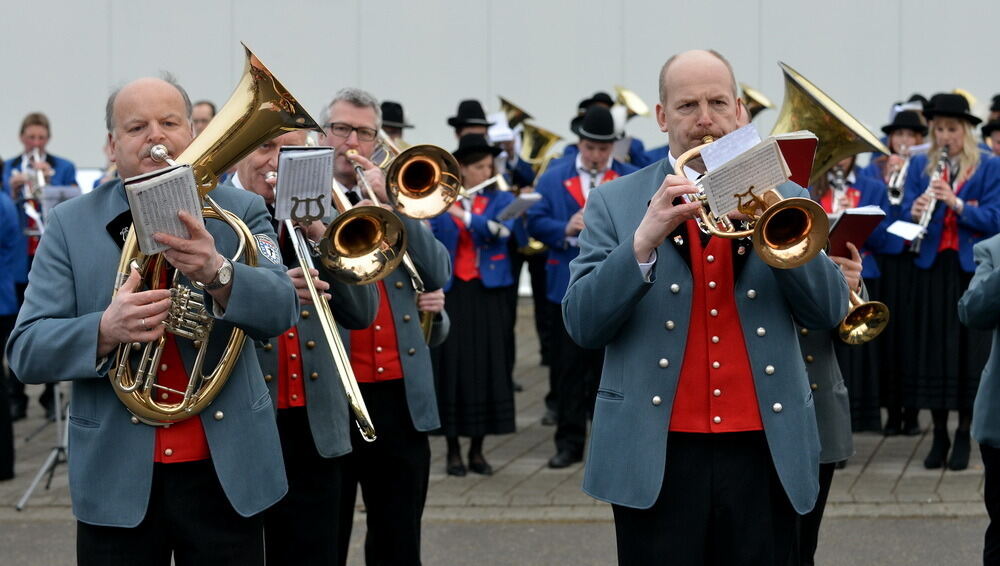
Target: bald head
{"x": 697, "y": 99}
{"x": 144, "y": 113}
{"x": 692, "y": 64}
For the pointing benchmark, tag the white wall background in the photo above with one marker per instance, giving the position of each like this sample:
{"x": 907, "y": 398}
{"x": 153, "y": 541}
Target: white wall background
{"x": 544, "y": 55}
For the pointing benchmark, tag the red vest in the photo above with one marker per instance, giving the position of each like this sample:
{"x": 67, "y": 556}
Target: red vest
{"x": 466, "y": 262}
{"x": 576, "y": 189}
{"x": 184, "y": 441}
{"x": 374, "y": 353}
{"x": 949, "y": 232}
{"x": 715, "y": 392}
{"x": 291, "y": 388}
{"x": 853, "y": 198}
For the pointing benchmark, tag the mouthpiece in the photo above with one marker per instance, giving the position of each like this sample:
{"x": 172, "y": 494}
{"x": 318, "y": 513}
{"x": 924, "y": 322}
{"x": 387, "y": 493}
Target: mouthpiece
{"x": 271, "y": 175}
{"x": 159, "y": 153}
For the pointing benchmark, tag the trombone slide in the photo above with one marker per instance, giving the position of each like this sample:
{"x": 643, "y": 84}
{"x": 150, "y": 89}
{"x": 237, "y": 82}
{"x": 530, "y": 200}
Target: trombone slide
{"x": 340, "y": 358}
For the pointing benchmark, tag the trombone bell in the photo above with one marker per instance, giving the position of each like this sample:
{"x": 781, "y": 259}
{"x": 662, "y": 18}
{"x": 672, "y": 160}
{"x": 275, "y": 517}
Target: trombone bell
{"x": 423, "y": 181}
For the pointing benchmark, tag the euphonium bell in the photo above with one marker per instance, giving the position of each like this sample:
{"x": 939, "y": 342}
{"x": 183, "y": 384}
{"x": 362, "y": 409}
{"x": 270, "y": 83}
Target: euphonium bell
{"x": 840, "y": 135}
{"x": 514, "y": 113}
{"x": 631, "y": 101}
{"x": 536, "y": 144}
{"x": 259, "y": 109}
{"x": 754, "y": 100}
{"x": 786, "y": 232}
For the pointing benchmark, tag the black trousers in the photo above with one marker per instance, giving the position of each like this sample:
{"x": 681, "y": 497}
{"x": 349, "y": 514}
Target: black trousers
{"x": 809, "y": 523}
{"x": 991, "y": 461}
{"x": 721, "y": 504}
{"x": 393, "y": 472}
{"x": 189, "y": 516}
{"x": 576, "y": 372}
{"x": 302, "y": 528}
{"x": 6, "y": 427}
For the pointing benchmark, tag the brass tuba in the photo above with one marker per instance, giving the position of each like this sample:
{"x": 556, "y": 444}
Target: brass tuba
{"x": 259, "y": 109}
{"x": 514, "y": 113}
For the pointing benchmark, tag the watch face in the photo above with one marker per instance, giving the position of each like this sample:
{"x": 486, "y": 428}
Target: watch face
{"x": 225, "y": 273}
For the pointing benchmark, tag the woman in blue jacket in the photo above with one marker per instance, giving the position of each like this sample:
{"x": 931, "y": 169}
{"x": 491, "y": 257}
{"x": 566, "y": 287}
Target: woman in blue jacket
{"x": 947, "y": 358}
{"x": 474, "y": 384}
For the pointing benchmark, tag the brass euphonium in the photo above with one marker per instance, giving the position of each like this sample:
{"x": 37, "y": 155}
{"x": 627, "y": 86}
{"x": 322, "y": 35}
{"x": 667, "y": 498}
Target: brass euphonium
{"x": 840, "y": 135}
{"x": 631, "y": 101}
{"x": 514, "y": 113}
{"x": 754, "y": 100}
{"x": 259, "y": 109}
{"x": 536, "y": 146}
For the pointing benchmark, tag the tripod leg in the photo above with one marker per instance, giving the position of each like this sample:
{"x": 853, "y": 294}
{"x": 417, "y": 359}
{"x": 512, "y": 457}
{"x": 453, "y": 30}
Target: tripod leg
{"x": 48, "y": 466}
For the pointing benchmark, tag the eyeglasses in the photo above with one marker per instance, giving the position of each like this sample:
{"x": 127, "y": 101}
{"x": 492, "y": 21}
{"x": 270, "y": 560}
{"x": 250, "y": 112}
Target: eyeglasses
{"x": 342, "y": 130}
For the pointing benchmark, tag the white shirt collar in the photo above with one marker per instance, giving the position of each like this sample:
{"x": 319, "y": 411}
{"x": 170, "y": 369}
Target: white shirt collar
{"x": 235, "y": 180}
{"x": 581, "y": 168}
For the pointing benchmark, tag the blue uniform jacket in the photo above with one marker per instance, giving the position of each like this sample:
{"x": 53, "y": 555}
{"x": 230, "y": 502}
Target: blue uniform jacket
{"x": 521, "y": 175}
{"x": 548, "y": 218}
{"x": 642, "y": 326}
{"x": 657, "y": 153}
{"x": 979, "y": 220}
{"x": 874, "y": 193}
{"x": 55, "y": 339}
{"x": 12, "y": 254}
{"x": 492, "y": 253}
{"x": 979, "y": 308}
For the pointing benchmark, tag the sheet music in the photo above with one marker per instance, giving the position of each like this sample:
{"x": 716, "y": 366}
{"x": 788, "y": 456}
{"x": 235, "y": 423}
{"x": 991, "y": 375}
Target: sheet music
{"x": 762, "y": 168}
{"x": 729, "y": 146}
{"x": 905, "y": 230}
{"x": 519, "y": 206}
{"x": 156, "y": 198}
{"x": 305, "y": 177}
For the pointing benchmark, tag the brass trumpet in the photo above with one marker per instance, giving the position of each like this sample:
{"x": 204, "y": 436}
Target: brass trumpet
{"x": 259, "y": 109}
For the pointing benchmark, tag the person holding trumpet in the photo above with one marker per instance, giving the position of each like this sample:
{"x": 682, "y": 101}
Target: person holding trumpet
{"x": 312, "y": 411}
{"x": 954, "y": 190}
{"x": 390, "y": 358}
{"x": 704, "y": 437}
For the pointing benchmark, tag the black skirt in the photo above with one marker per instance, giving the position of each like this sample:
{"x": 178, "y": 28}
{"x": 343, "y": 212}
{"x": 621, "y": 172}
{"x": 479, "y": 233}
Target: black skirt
{"x": 473, "y": 367}
{"x": 947, "y": 357}
{"x": 894, "y": 346}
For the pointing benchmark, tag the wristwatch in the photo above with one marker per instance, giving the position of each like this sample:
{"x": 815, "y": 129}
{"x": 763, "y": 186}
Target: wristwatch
{"x": 222, "y": 277}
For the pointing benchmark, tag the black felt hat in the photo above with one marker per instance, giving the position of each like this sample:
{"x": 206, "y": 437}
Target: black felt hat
{"x": 392, "y": 115}
{"x": 599, "y": 97}
{"x": 995, "y": 107}
{"x": 470, "y": 113}
{"x": 950, "y": 105}
{"x": 917, "y": 97}
{"x": 597, "y": 125}
{"x": 906, "y": 120}
{"x": 472, "y": 144}
{"x": 991, "y": 127}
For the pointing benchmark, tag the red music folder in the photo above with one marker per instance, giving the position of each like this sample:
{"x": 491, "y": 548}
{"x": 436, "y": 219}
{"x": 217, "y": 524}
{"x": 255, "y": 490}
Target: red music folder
{"x": 853, "y": 225}
{"x": 799, "y": 150}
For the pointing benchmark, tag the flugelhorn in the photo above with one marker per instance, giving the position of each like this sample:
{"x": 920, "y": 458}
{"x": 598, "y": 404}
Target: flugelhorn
{"x": 259, "y": 109}
{"x": 786, "y": 232}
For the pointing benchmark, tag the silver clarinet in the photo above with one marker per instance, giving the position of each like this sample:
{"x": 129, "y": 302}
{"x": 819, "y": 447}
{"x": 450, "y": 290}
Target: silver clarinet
{"x": 925, "y": 219}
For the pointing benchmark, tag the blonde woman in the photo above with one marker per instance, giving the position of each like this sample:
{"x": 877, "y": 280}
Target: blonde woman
{"x": 942, "y": 371}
